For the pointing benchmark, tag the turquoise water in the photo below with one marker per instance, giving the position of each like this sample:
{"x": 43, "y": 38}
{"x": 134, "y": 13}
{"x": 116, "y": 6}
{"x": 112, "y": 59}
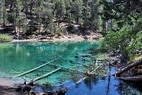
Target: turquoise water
{"x": 20, "y": 57}
{"x": 16, "y": 58}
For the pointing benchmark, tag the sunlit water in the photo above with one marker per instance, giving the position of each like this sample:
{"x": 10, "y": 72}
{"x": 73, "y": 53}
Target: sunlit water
{"x": 16, "y": 58}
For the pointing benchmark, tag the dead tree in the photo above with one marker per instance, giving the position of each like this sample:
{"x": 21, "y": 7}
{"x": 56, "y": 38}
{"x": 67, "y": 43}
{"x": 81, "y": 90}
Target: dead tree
{"x": 130, "y": 66}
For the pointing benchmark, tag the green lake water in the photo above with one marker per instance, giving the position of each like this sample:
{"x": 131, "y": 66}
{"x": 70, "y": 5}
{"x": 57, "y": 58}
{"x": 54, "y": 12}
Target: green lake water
{"x": 16, "y": 58}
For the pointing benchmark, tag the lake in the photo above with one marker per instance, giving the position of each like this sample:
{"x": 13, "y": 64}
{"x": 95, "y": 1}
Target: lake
{"x": 73, "y": 57}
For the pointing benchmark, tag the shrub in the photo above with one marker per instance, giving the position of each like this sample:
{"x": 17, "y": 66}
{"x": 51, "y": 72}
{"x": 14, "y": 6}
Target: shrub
{"x": 5, "y": 38}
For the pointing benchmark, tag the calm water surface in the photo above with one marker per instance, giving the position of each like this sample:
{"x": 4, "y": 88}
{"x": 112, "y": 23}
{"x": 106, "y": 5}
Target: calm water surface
{"x": 16, "y": 58}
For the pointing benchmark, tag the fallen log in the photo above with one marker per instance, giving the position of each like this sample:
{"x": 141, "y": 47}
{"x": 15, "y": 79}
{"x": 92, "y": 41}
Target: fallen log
{"x": 30, "y": 88}
{"x": 82, "y": 79}
{"x": 34, "y": 69}
{"x": 136, "y": 63}
{"x": 88, "y": 74}
{"x": 132, "y": 79}
{"x": 43, "y": 76}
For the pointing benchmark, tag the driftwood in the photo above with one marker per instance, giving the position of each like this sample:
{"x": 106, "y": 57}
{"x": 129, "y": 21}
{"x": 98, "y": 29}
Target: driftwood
{"x": 134, "y": 64}
{"x": 34, "y": 69}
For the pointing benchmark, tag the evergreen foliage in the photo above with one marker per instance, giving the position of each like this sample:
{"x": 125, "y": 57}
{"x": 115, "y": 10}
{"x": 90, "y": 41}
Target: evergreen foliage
{"x": 125, "y": 31}
{"x": 43, "y": 15}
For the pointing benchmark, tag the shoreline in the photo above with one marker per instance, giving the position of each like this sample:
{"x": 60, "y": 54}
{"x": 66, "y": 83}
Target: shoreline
{"x": 46, "y": 40}
{"x": 72, "y": 38}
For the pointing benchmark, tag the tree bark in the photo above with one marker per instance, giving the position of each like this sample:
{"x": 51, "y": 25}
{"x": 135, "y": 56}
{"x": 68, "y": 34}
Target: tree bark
{"x": 136, "y": 63}
{"x": 132, "y": 79}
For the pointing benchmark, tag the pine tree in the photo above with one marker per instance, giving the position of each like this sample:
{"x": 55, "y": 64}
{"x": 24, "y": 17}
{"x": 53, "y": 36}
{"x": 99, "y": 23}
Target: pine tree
{"x": 2, "y": 11}
{"x": 76, "y": 10}
{"x": 60, "y": 9}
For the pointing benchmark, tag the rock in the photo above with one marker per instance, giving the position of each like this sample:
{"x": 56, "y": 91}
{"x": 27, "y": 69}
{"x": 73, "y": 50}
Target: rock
{"x": 85, "y": 37}
{"x": 33, "y": 36}
{"x": 95, "y": 38}
{"x": 24, "y": 88}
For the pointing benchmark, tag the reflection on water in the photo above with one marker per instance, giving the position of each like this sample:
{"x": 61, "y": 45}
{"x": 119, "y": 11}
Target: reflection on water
{"x": 103, "y": 86}
{"x": 19, "y": 57}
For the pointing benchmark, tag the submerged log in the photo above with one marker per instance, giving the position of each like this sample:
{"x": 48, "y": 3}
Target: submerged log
{"x": 29, "y": 87}
{"x": 43, "y": 76}
{"x": 134, "y": 64}
{"x": 82, "y": 79}
{"x": 34, "y": 69}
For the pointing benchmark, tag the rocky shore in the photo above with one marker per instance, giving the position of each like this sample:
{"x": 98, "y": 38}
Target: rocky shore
{"x": 65, "y": 38}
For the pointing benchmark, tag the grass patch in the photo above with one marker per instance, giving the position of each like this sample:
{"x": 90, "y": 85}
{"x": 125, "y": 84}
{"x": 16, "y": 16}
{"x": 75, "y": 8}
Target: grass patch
{"x": 5, "y": 38}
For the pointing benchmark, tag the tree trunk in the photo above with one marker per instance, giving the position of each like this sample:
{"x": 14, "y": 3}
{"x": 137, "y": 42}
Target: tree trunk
{"x": 43, "y": 76}
{"x": 136, "y": 63}
{"x": 132, "y": 79}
